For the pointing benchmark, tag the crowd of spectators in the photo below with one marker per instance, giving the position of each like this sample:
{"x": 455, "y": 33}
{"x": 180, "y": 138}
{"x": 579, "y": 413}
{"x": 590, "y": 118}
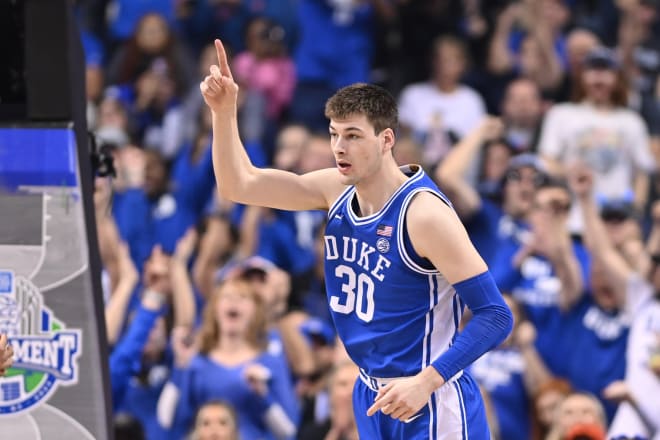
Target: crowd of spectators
{"x": 540, "y": 119}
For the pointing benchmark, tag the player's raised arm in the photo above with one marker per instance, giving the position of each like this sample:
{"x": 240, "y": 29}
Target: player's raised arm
{"x": 236, "y": 177}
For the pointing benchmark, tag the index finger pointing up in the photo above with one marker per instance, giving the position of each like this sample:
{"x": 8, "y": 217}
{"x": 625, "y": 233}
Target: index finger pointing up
{"x": 222, "y": 59}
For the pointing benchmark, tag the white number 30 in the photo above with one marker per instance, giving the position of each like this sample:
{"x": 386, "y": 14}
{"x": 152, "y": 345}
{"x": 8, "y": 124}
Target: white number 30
{"x": 364, "y": 285}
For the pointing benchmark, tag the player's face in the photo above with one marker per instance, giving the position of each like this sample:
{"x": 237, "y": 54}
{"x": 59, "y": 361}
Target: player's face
{"x": 358, "y": 150}
{"x": 215, "y": 422}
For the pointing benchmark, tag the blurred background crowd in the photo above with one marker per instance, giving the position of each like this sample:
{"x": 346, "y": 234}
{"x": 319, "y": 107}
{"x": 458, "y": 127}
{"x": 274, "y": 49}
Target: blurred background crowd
{"x": 540, "y": 119}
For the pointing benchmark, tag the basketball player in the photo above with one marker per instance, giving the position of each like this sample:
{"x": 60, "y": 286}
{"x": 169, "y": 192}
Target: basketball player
{"x": 398, "y": 264}
{"x": 6, "y": 354}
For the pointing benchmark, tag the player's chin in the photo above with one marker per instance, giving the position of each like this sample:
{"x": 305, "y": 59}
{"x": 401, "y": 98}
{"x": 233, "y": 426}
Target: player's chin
{"x": 346, "y": 179}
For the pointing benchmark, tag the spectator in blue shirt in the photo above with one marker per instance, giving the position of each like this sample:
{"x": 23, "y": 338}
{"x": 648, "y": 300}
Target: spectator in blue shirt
{"x": 233, "y": 365}
{"x": 488, "y": 222}
{"x": 155, "y": 212}
{"x": 544, "y": 269}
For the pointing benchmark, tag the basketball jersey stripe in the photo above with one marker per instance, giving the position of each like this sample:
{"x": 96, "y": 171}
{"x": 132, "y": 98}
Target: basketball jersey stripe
{"x": 434, "y": 425}
{"x": 407, "y": 259}
{"x": 426, "y": 352}
{"x": 462, "y": 408}
{"x": 338, "y": 203}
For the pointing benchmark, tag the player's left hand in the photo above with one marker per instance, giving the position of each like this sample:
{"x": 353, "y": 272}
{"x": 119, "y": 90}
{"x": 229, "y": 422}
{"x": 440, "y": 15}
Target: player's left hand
{"x": 403, "y": 398}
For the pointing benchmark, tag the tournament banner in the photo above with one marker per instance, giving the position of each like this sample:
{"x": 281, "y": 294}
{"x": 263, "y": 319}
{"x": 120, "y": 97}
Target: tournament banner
{"x": 48, "y": 308}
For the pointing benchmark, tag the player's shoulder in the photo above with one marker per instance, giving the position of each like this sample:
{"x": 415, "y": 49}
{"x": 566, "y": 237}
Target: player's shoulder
{"x": 327, "y": 180}
{"x": 427, "y": 208}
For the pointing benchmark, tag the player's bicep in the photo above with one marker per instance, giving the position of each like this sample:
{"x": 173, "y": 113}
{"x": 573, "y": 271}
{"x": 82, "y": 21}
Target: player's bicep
{"x": 437, "y": 234}
{"x": 280, "y": 189}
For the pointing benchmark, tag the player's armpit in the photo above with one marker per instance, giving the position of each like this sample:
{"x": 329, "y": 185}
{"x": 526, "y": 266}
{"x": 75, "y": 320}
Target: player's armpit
{"x": 437, "y": 234}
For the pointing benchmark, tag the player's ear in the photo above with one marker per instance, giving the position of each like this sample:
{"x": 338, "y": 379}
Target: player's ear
{"x": 388, "y": 138}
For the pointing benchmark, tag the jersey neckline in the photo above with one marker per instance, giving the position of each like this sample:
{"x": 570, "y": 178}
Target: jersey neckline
{"x": 414, "y": 173}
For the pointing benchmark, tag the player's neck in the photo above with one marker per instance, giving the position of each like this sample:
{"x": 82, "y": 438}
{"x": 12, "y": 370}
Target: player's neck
{"x": 375, "y": 191}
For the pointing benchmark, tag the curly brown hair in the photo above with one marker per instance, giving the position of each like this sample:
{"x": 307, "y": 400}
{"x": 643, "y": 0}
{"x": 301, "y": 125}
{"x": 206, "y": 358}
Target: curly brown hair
{"x": 209, "y": 335}
{"x": 376, "y": 103}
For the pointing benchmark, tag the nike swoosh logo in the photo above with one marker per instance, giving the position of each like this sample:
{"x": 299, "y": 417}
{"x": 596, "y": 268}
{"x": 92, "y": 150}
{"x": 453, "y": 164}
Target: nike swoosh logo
{"x": 338, "y": 216}
{"x": 412, "y": 418}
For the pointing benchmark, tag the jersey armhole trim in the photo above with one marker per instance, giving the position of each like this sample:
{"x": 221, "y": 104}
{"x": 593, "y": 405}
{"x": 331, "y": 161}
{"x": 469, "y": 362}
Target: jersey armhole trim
{"x": 407, "y": 259}
{"x": 337, "y": 203}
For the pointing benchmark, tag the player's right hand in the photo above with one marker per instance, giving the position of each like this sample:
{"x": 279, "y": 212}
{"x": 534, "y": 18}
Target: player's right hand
{"x": 219, "y": 89}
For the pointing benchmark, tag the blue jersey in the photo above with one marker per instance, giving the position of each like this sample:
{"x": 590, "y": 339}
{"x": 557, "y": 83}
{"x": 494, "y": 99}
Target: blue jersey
{"x": 597, "y": 338}
{"x": 500, "y": 373}
{"x": 536, "y": 287}
{"x": 394, "y": 312}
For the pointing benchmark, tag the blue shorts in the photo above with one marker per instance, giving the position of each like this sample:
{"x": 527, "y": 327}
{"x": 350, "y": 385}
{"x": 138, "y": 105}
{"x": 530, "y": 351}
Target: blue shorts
{"x": 455, "y": 412}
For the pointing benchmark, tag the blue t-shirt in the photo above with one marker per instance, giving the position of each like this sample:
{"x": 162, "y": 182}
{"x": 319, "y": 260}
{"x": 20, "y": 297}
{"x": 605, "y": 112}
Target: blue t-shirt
{"x": 489, "y": 226}
{"x": 500, "y": 373}
{"x": 535, "y": 285}
{"x": 593, "y": 348}
{"x": 329, "y": 34}
{"x": 205, "y": 380}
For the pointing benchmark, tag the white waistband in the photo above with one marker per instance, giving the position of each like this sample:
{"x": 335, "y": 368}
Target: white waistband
{"x": 376, "y": 383}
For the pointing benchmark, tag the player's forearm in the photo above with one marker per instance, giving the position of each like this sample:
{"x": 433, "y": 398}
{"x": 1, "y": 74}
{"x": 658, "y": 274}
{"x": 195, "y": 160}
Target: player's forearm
{"x": 490, "y": 325}
{"x": 231, "y": 163}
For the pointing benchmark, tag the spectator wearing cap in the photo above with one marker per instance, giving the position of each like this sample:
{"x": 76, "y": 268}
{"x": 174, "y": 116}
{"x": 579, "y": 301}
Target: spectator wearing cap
{"x": 544, "y": 269}
{"x": 600, "y": 131}
{"x": 273, "y": 285}
{"x": 488, "y": 222}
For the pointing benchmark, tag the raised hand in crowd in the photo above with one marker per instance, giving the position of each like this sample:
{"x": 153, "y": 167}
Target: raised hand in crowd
{"x": 184, "y": 346}
{"x": 183, "y": 296}
{"x": 115, "y": 309}
{"x": 157, "y": 272}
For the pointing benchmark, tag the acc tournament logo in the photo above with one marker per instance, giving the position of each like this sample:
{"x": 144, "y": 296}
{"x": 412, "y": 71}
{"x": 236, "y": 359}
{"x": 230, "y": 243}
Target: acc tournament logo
{"x": 45, "y": 351}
